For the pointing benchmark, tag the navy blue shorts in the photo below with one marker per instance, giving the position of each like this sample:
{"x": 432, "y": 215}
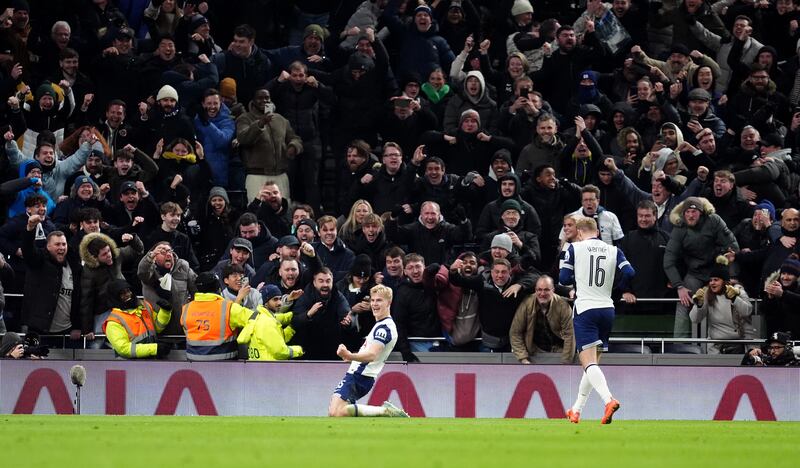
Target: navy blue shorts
{"x": 352, "y": 387}
{"x": 593, "y": 327}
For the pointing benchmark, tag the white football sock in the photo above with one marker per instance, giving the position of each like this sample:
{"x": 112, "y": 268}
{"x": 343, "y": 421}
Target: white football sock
{"x": 584, "y": 389}
{"x": 598, "y": 381}
{"x": 366, "y": 410}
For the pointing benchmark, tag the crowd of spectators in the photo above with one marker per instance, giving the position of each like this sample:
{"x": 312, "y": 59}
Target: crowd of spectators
{"x": 443, "y": 149}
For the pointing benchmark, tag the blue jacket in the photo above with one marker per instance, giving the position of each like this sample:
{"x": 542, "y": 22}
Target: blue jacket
{"x": 216, "y": 137}
{"x": 54, "y": 179}
{"x": 18, "y": 206}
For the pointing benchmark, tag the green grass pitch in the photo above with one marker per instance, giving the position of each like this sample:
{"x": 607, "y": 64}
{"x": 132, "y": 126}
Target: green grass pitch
{"x": 129, "y": 441}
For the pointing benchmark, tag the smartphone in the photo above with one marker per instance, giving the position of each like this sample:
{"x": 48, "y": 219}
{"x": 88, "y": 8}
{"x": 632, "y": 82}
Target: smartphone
{"x": 244, "y": 281}
{"x": 402, "y": 102}
{"x": 365, "y": 299}
{"x": 524, "y": 92}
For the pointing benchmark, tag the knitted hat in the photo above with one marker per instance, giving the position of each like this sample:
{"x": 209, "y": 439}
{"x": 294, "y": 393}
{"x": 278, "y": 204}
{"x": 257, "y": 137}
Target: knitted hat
{"x": 10, "y": 341}
{"x": 503, "y": 154}
{"x": 242, "y": 243}
{"x": 31, "y": 165}
{"x": 521, "y": 7}
{"x": 21, "y": 5}
{"x": 767, "y": 205}
{"x": 197, "y": 21}
{"x": 510, "y": 204}
{"x": 45, "y": 89}
{"x": 692, "y": 203}
{"x": 503, "y": 241}
{"x": 772, "y": 139}
{"x": 456, "y": 4}
{"x": 720, "y": 269}
{"x": 791, "y": 265}
{"x": 678, "y": 48}
{"x": 589, "y": 75}
{"x": 362, "y": 266}
{"x": 227, "y": 88}
{"x": 316, "y": 31}
{"x": 207, "y": 282}
{"x": 165, "y": 92}
{"x": 699, "y": 94}
{"x": 269, "y": 292}
{"x": 423, "y": 9}
{"x": 219, "y": 192}
{"x": 470, "y": 113}
{"x": 359, "y": 61}
{"x": 80, "y": 180}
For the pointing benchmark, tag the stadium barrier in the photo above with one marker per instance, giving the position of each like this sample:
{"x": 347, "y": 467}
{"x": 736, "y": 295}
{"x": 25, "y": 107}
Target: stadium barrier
{"x": 427, "y": 390}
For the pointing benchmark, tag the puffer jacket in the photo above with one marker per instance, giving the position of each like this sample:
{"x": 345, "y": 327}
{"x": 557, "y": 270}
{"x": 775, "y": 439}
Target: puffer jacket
{"x": 266, "y": 336}
{"x": 695, "y": 248}
{"x": 216, "y": 136}
{"x": 264, "y": 149}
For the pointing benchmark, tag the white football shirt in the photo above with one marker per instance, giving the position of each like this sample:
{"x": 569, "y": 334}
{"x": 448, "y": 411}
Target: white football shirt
{"x": 384, "y": 332}
{"x": 592, "y": 266}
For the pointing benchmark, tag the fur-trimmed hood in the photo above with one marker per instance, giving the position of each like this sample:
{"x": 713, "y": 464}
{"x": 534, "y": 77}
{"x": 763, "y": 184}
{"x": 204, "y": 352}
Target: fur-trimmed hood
{"x": 676, "y": 215}
{"x": 89, "y": 260}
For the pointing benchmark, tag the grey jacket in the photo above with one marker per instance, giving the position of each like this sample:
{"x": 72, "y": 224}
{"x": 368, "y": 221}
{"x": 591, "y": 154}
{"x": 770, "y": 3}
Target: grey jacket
{"x": 182, "y": 289}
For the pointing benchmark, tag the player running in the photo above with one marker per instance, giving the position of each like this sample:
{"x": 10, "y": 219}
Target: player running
{"x": 591, "y": 265}
{"x": 367, "y": 363}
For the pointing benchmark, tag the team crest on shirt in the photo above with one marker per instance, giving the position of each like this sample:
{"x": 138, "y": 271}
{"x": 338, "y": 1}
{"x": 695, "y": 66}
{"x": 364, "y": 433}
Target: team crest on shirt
{"x": 380, "y": 334}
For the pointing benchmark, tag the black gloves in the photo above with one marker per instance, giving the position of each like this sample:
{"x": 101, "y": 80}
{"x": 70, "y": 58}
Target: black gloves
{"x": 459, "y": 214}
{"x": 164, "y": 304}
{"x": 163, "y": 349}
{"x": 397, "y": 212}
{"x": 408, "y": 356}
{"x": 432, "y": 269}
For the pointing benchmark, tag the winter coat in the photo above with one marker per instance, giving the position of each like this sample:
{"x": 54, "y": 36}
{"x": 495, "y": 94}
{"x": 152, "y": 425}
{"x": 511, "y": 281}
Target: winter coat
{"x": 181, "y": 287}
{"x": 53, "y": 179}
{"x": 468, "y": 153}
{"x": 720, "y": 315}
{"x": 732, "y": 207}
{"x": 301, "y": 108}
{"x": 216, "y": 136}
{"x": 264, "y": 149}
{"x": 321, "y": 333}
{"x": 696, "y": 247}
{"x": 376, "y": 250}
{"x": 179, "y": 241}
{"x": 23, "y": 187}
{"x": 433, "y": 244}
{"x": 681, "y": 21}
{"x": 644, "y": 249}
{"x": 96, "y": 276}
{"x": 782, "y": 313}
{"x": 43, "y": 286}
{"x": 64, "y": 210}
{"x": 457, "y": 307}
{"x": 523, "y": 329}
{"x": 250, "y": 73}
{"x": 420, "y": 52}
{"x": 761, "y": 109}
{"x": 264, "y": 245}
{"x": 414, "y": 313}
{"x": 538, "y": 152}
{"x": 483, "y": 104}
{"x": 339, "y": 258}
{"x": 279, "y": 223}
{"x": 387, "y": 192}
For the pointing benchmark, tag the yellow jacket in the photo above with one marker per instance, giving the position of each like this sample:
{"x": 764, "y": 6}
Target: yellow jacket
{"x": 128, "y": 345}
{"x": 266, "y": 337}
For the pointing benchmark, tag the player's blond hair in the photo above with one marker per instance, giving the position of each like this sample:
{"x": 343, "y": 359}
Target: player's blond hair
{"x": 381, "y": 290}
{"x": 586, "y": 224}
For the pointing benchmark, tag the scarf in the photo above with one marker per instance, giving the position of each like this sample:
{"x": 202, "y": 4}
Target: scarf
{"x": 433, "y": 95}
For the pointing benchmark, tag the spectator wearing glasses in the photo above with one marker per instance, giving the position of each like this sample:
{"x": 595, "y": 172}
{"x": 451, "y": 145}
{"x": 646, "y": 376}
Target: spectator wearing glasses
{"x": 777, "y": 351}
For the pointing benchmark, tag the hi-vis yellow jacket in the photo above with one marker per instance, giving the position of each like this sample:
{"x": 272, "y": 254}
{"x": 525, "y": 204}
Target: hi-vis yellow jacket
{"x": 266, "y": 336}
{"x": 132, "y": 332}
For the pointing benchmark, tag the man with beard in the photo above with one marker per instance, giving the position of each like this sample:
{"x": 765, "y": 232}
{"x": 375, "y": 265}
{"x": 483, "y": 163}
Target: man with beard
{"x": 168, "y": 231}
{"x": 759, "y": 104}
{"x": 321, "y": 316}
{"x": 681, "y": 63}
{"x": 777, "y": 351}
{"x": 310, "y": 53}
{"x": 136, "y": 211}
{"x": 783, "y": 298}
{"x": 164, "y": 275}
{"x": 290, "y": 248}
{"x": 166, "y": 121}
{"x": 698, "y": 237}
{"x": 93, "y": 170}
{"x": 211, "y": 322}
{"x": 359, "y": 160}
{"x": 272, "y": 209}
{"x": 430, "y": 235}
{"x": 457, "y": 307}
{"x": 474, "y": 96}
{"x": 267, "y": 143}
{"x": 331, "y": 250}
{"x": 52, "y": 292}
{"x": 132, "y": 326}
{"x": 645, "y": 248}
{"x": 543, "y": 323}
{"x": 215, "y": 131}
{"x": 499, "y": 294}
{"x": 404, "y": 121}
{"x": 559, "y": 71}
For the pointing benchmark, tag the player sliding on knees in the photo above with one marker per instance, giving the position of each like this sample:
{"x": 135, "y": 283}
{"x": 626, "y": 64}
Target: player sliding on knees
{"x": 367, "y": 363}
{"x": 591, "y": 265}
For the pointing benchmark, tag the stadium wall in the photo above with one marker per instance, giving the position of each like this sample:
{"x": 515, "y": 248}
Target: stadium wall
{"x": 431, "y": 390}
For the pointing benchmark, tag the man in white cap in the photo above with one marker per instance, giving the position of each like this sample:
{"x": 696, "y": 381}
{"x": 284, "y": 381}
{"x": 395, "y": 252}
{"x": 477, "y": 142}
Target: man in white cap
{"x": 165, "y": 120}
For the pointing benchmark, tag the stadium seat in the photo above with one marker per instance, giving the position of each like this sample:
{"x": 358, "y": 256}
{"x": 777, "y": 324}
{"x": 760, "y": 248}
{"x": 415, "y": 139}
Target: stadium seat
{"x": 682, "y": 348}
